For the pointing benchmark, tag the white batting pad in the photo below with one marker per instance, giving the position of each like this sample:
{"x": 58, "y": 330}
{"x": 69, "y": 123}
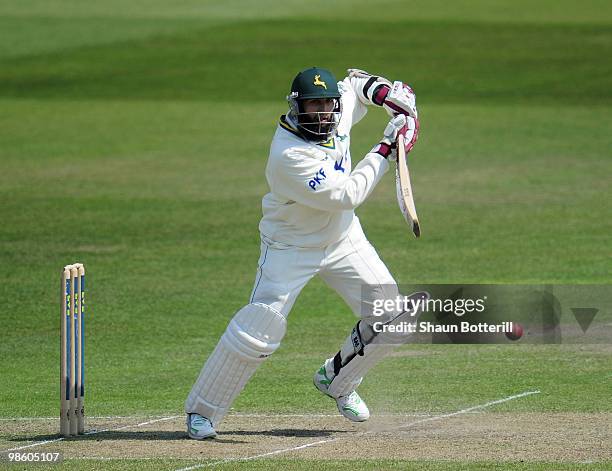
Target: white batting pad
{"x": 350, "y": 375}
{"x": 375, "y": 348}
{"x": 252, "y": 335}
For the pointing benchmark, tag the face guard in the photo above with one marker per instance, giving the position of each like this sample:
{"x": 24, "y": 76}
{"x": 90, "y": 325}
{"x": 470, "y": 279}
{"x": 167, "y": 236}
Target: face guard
{"x": 317, "y": 126}
{"x": 315, "y": 84}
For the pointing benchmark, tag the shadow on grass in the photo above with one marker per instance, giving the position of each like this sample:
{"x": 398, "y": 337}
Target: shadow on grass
{"x": 163, "y": 435}
{"x": 285, "y": 432}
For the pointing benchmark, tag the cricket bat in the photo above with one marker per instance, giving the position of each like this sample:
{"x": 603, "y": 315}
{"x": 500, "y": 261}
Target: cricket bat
{"x": 405, "y": 197}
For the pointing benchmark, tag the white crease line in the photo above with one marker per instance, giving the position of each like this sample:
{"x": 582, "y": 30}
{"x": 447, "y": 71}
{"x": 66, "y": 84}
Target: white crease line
{"x": 305, "y": 416}
{"x": 115, "y": 458}
{"x": 470, "y": 409}
{"x": 361, "y": 434}
{"x": 99, "y": 417}
{"x": 93, "y": 432}
{"x": 33, "y": 444}
{"x": 234, "y": 414}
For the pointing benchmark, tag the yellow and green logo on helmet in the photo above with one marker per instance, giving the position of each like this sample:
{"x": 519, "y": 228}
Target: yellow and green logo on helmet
{"x": 318, "y": 81}
{"x": 315, "y": 83}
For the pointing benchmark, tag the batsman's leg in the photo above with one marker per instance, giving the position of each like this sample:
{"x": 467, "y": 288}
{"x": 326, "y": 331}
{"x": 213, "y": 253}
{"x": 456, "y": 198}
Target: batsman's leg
{"x": 357, "y": 273}
{"x": 364, "y": 348}
{"x": 253, "y": 334}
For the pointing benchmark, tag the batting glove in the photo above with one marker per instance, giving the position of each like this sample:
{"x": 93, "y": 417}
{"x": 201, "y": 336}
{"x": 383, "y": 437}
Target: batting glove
{"x": 400, "y": 100}
{"x": 387, "y": 147}
{"x": 411, "y": 133}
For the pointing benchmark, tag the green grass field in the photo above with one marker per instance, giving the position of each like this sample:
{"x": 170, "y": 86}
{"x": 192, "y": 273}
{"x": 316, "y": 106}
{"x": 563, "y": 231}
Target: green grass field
{"x": 133, "y": 138}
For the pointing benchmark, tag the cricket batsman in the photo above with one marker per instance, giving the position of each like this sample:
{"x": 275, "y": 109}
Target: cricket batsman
{"x": 309, "y": 228}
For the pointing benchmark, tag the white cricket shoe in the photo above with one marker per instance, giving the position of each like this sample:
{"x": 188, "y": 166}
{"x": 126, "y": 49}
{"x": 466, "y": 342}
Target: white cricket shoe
{"x": 323, "y": 376}
{"x": 350, "y": 406}
{"x": 353, "y": 408}
{"x": 199, "y": 427}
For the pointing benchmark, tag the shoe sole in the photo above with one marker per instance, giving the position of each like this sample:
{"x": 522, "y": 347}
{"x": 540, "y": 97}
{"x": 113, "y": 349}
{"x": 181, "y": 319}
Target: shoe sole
{"x": 198, "y": 437}
{"x": 353, "y": 418}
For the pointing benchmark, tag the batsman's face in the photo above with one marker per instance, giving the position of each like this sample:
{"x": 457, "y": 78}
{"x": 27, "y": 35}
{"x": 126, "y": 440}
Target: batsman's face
{"x": 321, "y": 106}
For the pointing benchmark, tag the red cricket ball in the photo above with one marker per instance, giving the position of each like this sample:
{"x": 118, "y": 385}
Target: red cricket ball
{"x": 516, "y": 332}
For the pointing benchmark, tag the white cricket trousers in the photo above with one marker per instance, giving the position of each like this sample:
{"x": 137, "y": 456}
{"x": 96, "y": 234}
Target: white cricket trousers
{"x": 351, "y": 267}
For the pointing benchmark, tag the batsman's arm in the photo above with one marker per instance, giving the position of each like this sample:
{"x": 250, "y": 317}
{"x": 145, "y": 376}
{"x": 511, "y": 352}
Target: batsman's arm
{"x": 360, "y": 90}
{"x": 314, "y": 182}
{"x": 396, "y": 98}
{"x": 370, "y": 89}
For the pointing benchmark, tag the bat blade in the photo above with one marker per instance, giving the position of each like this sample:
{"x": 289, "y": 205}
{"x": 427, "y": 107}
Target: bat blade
{"x": 405, "y": 196}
